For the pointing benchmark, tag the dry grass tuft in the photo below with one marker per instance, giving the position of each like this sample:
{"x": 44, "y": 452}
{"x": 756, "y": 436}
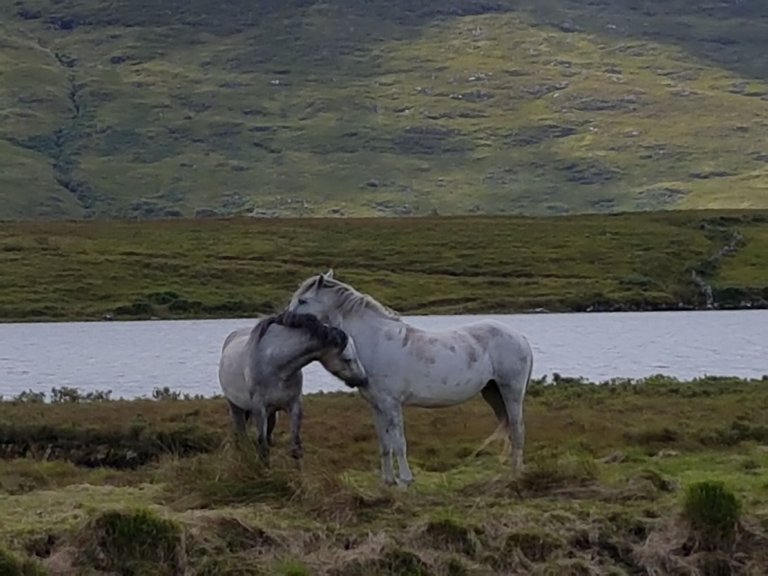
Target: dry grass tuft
{"x": 390, "y": 560}
{"x": 448, "y": 535}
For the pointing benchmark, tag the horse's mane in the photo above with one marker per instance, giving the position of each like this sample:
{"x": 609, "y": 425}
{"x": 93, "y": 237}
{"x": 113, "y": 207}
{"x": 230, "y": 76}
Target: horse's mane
{"x": 349, "y": 299}
{"x": 326, "y": 335}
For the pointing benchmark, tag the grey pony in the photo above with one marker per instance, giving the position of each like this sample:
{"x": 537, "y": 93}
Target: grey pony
{"x": 260, "y": 371}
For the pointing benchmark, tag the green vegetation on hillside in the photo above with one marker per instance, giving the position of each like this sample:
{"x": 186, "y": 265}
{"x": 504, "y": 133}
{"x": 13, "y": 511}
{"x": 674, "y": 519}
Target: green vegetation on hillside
{"x": 297, "y": 107}
{"x": 241, "y": 267}
{"x": 626, "y": 477}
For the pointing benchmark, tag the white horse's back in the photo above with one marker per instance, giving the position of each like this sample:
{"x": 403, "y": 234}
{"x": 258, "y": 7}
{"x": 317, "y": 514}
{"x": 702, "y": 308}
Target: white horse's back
{"x": 444, "y": 367}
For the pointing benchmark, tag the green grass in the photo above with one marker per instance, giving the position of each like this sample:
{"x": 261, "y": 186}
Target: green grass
{"x": 134, "y": 108}
{"x": 596, "y": 496}
{"x": 240, "y": 267}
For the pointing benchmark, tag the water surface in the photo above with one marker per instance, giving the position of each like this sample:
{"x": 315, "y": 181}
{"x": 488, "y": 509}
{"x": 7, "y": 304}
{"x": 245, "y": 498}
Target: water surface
{"x": 133, "y": 358}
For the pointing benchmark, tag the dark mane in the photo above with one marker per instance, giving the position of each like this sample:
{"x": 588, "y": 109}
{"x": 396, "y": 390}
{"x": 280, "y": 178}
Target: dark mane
{"x": 326, "y": 335}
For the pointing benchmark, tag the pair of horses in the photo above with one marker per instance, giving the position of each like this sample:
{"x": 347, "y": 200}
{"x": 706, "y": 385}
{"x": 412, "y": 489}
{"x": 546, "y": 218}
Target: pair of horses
{"x": 390, "y": 362}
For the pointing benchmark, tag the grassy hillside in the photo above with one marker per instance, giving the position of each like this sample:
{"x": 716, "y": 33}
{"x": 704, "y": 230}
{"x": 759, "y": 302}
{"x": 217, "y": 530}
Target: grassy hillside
{"x": 612, "y": 486}
{"x": 240, "y": 267}
{"x": 145, "y": 108}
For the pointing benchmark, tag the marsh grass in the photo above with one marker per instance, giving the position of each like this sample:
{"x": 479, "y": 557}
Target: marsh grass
{"x": 592, "y": 499}
{"x": 234, "y": 475}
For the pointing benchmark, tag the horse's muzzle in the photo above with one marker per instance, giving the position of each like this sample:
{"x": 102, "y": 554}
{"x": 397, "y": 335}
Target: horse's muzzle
{"x": 357, "y": 382}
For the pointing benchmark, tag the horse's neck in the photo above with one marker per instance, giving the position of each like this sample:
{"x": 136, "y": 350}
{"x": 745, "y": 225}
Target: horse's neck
{"x": 300, "y": 358}
{"x": 292, "y": 352}
{"x": 368, "y": 323}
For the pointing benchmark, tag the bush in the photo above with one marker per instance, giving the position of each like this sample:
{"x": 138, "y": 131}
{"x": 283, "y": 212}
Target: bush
{"x": 712, "y": 511}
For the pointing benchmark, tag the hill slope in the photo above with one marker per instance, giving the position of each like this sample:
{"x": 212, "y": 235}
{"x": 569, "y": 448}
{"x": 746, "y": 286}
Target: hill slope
{"x": 145, "y": 108}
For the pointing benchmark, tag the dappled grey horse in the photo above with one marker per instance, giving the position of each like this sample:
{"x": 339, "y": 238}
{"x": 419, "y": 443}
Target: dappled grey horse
{"x": 430, "y": 368}
{"x": 260, "y": 371}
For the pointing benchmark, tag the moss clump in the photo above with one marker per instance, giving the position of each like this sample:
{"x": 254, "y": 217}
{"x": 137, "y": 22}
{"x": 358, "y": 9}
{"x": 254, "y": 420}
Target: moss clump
{"x": 290, "y": 567}
{"x": 712, "y": 511}
{"x": 229, "y": 565}
{"x": 10, "y": 565}
{"x": 134, "y": 543}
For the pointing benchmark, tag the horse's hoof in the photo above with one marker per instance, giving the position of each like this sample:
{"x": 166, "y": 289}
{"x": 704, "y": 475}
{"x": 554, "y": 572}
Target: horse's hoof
{"x": 404, "y": 483}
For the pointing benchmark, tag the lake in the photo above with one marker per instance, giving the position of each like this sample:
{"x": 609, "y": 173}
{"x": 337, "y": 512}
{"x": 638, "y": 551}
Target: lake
{"x": 133, "y": 358}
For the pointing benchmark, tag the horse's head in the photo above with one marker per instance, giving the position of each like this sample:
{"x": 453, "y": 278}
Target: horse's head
{"x": 313, "y": 296}
{"x": 333, "y": 301}
{"x": 340, "y": 359}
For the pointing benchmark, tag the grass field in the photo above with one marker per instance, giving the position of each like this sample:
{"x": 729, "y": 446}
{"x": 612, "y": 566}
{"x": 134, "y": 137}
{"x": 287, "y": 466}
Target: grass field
{"x": 611, "y": 486}
{"x": 127, "y": 108}
{"x": 241, "y": 267}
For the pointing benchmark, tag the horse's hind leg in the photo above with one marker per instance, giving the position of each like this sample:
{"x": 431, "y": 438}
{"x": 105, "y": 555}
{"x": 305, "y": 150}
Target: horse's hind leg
{"x": 493, "y": 398}
{"x": 513, "y": 393}
{"x": 271, "y": 421}
{"x": 239, "y": 419}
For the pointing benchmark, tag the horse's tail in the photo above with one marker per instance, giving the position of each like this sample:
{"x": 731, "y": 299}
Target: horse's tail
{"x": 501, "y": 433}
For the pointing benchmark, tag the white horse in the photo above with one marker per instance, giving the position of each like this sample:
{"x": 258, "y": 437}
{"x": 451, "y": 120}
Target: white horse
{"x": 409, "y": 366}
{"x": 260, "y": 371}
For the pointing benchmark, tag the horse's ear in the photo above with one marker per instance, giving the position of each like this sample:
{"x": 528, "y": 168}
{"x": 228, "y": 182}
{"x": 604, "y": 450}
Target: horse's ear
{"x": 329, "y": 275}
{"x": 319, "y": 281}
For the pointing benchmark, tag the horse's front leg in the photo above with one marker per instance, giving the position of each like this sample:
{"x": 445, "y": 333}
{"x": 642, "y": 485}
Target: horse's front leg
{"x": 262, "y": 423}
{"x": 399, "y": 443}
{"x": 385, "y": 447}
{"x": 297, "y": 417}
